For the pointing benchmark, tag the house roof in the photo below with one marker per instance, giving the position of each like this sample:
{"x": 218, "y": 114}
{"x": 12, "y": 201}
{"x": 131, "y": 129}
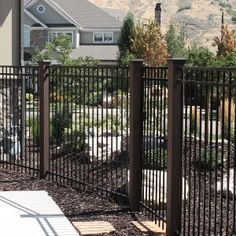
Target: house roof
{"x": 86, "y": 14}
{"x": 99, "y": 52}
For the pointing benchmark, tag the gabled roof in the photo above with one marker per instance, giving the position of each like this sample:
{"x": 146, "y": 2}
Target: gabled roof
{"x": 86, "y": 14}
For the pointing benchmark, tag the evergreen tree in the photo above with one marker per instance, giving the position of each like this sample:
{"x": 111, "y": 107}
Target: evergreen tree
{"x": 175, "y": 42}
{"x": 125, "y": 39}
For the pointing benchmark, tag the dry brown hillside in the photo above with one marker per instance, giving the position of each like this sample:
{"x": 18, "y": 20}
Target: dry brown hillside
{"x": 200, "y": 19}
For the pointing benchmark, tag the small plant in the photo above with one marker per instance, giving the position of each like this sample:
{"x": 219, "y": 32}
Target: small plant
{"x": 59, "y": 122}
{"x": 93, "y": 98}
{"x": 208, "y": 159}
{"x": 33, "y": 125}
{"x": 74, "y": 140}
{"x": 234, "y": 19}
{"x": 155, "y": 158}
{"x": 227, "y": 118}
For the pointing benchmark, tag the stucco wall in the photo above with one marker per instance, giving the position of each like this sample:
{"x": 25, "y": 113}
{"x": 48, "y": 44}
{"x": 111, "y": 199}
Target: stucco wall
{"x": 10, "y": 32}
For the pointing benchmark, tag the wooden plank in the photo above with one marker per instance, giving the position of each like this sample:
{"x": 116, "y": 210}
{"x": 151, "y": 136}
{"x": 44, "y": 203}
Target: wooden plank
{"x": 150, "y": 226}
{"x": 93, "y": 227}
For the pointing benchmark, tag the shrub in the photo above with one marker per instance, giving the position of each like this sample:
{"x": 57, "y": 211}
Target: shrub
{"x": 33, "y": 125}
{"x": 155, "y": 158}
{"x": 93, "y": 98}
{"x": 208, "y": 159}
{"x": 227, "y": 118}
{"x": 61, "y": 120}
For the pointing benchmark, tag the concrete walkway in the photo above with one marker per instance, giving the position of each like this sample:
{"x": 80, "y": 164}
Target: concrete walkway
{"x": 32, "y": 213}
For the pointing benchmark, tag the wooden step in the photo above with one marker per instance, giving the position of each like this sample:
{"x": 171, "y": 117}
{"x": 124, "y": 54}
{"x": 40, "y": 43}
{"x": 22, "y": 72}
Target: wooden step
{"x": 150, "y": 226}
{"x": 93, "y": 227}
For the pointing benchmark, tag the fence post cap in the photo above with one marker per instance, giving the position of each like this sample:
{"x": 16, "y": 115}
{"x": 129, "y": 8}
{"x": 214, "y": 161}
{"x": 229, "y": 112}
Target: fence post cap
{"x": 176, "y": 60}
{"x": 45, "y": 62}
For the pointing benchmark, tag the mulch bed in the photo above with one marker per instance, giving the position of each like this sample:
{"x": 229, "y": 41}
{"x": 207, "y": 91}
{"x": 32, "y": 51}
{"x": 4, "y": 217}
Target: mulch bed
{"x": 76, "y": 205}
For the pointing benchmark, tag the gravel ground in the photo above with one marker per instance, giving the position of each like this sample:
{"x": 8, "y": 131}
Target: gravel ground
{"x": 76, "y": 205}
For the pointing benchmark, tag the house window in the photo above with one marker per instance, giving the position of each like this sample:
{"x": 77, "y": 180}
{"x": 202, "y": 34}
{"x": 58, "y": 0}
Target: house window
{"x": 103, "y": 37}
{"x": 26, "y": 36}
{"x": 41, "y": 9}
{"x": 53, "y": 34}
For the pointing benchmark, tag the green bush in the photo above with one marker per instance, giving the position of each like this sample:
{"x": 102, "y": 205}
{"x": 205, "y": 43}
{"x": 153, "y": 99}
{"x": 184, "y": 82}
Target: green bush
{"x": 155, "y": 158}
{"x": 33, "y": 125}
{"x": 74, "y": 140}
{"x": 93, "y": 98}
{"x": 208, "y": 159}
{"x": 61, "y": 120}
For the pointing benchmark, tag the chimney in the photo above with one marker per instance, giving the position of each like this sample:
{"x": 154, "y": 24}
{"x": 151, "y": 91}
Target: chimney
{"x": 158, "y": 13}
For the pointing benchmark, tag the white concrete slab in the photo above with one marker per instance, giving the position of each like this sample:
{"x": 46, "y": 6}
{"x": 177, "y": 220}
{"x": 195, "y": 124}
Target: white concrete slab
{"x": 32, "y": 213}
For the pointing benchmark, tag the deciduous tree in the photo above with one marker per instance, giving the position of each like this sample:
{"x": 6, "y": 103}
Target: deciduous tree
{"x": 149, "y": 44}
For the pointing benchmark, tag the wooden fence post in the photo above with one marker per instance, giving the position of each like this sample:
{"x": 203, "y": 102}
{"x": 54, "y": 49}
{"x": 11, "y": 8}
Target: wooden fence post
{"x": 44, "y": 117}
{"x": 175, "y": 128}
{"x": 136, "y": 133}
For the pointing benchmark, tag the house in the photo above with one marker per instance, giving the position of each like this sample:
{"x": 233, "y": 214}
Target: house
{"x": 10, "y": 37}
{"x": 93, "y": 31}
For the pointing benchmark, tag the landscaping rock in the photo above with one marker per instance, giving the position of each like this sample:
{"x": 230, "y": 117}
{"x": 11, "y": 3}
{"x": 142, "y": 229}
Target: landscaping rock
{"x": 103, "y": 146}
{"x": 155, "y": 187}
{"x": 227, "y": 186}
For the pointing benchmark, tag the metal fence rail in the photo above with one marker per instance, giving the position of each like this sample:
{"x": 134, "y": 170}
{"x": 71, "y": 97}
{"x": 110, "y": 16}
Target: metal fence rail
{"x": 209, "y": 151}
{"x": 19, "y": 107}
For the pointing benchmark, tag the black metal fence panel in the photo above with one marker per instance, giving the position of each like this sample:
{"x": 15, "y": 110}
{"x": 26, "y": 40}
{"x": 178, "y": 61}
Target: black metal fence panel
{"x": 89, "y": 127}
{"x": 209, "y": 151}
{"x": 89, "y": 132}
{"x": 19, "y": 108}
{"x": 154, "y": 158}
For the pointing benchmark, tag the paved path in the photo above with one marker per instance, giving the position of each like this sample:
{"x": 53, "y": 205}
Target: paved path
{"x": 32, "y": 213}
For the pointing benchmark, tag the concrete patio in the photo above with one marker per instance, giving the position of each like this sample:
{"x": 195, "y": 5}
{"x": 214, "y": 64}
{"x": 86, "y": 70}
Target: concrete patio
{"x": 27, "y": 213}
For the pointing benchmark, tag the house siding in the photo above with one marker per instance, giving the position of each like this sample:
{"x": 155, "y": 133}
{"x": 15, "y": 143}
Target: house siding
{"x": 50, "y": 16}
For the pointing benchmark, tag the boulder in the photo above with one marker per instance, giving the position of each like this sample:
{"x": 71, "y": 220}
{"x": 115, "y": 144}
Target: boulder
{"x": 227, "y": 186}
{"x": 155, "y": 187}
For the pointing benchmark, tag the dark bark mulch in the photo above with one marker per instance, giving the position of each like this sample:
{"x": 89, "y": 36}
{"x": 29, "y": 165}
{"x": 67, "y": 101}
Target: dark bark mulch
{"x": 76, "y": 205}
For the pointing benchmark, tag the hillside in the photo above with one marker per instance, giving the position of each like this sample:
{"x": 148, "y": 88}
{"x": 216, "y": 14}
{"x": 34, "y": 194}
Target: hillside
{"x": 201, "y": 19}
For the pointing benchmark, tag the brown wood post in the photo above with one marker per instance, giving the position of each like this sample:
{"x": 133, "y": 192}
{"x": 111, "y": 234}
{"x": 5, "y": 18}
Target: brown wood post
{"x": 136, "y": 133}
{"x": 175, "y": 128}
{"x": 44, "y": 117}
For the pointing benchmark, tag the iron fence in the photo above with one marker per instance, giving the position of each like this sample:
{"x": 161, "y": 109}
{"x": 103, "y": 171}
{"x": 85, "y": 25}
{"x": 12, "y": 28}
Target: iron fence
{"x": 17, "y": 118}
{"x": 209, "y": 151}
{"x": 72, "y": 125}
{"x": 88, "y": 127}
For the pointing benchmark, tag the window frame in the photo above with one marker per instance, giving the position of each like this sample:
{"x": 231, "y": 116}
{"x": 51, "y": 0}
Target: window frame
{"x": 57, "y": 32}
{"x": 27, "y": 29}
{"x": 103, "y": 37}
